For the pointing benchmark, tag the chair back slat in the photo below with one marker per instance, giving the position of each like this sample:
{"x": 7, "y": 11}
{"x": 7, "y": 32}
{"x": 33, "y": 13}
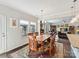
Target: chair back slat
{"x": 32, "y": 41}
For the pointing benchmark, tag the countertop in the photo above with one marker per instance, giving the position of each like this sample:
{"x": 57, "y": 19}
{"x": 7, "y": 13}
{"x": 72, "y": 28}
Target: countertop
{"x": 74, "y": 40}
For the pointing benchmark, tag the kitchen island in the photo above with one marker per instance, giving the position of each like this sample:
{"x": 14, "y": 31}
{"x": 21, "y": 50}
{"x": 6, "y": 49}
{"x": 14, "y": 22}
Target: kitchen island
{"x": 74, "y": 40}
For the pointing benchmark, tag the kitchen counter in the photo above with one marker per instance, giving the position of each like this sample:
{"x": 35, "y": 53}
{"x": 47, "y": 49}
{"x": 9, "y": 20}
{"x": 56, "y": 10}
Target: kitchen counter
{"x": 74, "y": 40}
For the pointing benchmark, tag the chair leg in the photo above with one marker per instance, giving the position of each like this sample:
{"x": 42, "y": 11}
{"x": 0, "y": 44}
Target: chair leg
{"x": 50, "y": 52}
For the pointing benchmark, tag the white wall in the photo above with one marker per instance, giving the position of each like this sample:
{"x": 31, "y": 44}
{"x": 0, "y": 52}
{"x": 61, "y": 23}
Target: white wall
{"x": 14, "y": 38}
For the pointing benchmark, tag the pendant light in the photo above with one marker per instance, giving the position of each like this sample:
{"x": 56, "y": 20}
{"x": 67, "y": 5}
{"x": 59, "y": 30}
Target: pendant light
{"x": 74, "y": 12}
{"x": 74, "y": 7}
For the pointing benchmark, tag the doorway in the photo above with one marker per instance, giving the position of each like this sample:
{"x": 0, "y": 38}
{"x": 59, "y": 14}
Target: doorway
{"x": 2, "y": 34}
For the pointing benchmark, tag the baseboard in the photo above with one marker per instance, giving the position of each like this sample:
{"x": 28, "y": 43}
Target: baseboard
{"x": 15, "y": 49}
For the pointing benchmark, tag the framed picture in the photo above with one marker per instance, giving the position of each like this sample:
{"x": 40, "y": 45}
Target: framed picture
{"x": 13, "y": 22}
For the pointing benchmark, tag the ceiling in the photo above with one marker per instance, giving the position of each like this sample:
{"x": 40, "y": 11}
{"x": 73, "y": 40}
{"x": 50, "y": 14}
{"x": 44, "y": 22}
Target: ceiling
{"x": 33, "y": 7}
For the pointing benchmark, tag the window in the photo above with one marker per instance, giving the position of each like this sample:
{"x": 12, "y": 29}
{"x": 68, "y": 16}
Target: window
{"x": 32, "y": 27}
{"x": 24, "y": 30}
{"x": 24, "y": 27}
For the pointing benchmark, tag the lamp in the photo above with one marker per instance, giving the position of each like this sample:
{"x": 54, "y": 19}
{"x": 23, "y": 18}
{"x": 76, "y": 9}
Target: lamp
{"x": 76, "y": 18}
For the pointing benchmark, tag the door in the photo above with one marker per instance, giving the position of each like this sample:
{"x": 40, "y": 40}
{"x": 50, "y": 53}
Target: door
{"x": 2, "y": 34}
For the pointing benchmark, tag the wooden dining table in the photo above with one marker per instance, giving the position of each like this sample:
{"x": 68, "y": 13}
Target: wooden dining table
{"x": 46, "y": 47}
{"x": 44, "y": 37}
{"x": 41, "y": 41}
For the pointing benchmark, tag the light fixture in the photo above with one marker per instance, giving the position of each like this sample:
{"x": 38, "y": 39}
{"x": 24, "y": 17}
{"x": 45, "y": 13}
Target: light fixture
{"x": 74, "y": 13}
{"x": 41, "y": 19}
{"x": 45, "y": 21}
{"x": 74, "y": 7}
{"x": 75, "y": 20}
{"x": 42, "y": 15}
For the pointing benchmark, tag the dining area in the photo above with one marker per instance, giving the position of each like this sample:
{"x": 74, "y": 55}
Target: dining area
{"x": 42, "y": 45}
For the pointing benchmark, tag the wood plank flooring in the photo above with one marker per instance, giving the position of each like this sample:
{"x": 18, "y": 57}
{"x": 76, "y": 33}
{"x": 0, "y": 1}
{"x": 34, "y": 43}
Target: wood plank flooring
{"x": 66, "y": 51}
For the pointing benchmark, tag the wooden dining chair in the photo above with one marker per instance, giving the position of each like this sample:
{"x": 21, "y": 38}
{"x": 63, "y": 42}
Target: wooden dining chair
{"x": 50, "y": 48}
{"x": 52, "y": 45}
{"x": 35, "y": 41}
{"x": 41, "y": 43}
{"x": 32, "y": 42}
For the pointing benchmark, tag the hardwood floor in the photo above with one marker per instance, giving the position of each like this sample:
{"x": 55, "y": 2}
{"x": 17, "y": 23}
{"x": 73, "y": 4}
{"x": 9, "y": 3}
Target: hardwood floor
{"x": 58, "y": 54}
{"x": 63, "y": 47}
{"x": 67, "y": 50}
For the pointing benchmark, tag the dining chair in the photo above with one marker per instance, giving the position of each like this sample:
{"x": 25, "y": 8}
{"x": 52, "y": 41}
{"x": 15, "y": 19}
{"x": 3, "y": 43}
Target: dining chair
{"x": 51, "y": 47}
{"x": 41, "y": 43}
{"x": 32, "y": 42}
{"x": 35, "y": 41}
{"x": 52, "y": 44}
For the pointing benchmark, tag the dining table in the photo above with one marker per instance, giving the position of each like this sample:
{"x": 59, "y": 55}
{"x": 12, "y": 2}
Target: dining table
{"x": 43, "y": 49}
{"x": 44, "y": 37}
